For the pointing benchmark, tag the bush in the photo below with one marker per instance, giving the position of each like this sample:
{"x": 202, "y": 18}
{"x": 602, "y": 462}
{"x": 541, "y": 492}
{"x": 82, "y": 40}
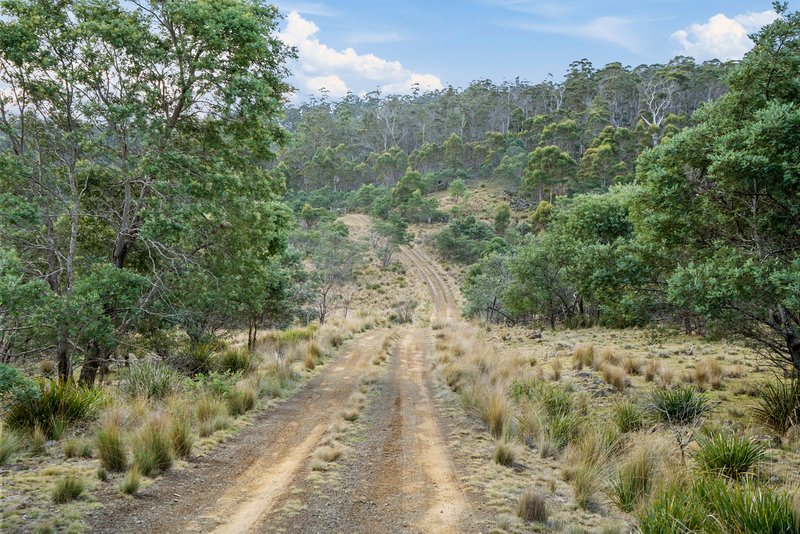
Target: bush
{"x": 78, "y": 448}
{"x": 10, "y": 445}
{"x": 778, "y": 405}
{"x": 67, "y": 489}
{"x": 680, "y": 405}
{"x": 110, "y": 447}
{"x": 130, "y": 485}
{"x": 15, "y": 387}
{"x": 56, "y": 405}
{"x": 464, "y": 240}
{"x": 635, "y": 478}
{"x": 236, "y": 360}
{"x": 628, "y": 417}
{"x": 532, "y": 507}
{"x": 152, "y": 450}
{"x": 728, "y": 455}
{"x": 153, "y": 380}
{"x": 504, "y": 453}
{"x": 199, "y": 359}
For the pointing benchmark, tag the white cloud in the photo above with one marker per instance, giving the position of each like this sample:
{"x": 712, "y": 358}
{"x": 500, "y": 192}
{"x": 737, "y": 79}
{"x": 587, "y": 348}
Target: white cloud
{"x": 722, "y": 37}
{"x": 346, "y": 69}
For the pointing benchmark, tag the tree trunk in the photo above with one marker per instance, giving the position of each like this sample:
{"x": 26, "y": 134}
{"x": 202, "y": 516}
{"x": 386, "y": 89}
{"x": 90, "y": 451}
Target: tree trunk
{"x": 62, "y": 355}
{"x": 95, "y": 358}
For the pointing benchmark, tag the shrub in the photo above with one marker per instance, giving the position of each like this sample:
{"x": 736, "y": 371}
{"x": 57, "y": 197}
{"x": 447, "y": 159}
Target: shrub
{"x": 78, "y": 448}
{"x": 181, "y": 437}
{"x": 628, "y": 417}
{"x": 15, "y": 387}
{"x": 68, "y": 488}
{"x": 504, "y": 453}
{"x": 56, "y": 405}
{"x": 236, "y": 360}
{"x": 152, "y": 450}
{"x": 679, "y": 405}
{"x": 532, "y": 507}
{"x": 199, "y": 358}
{"x": 241, "y": 401}
{"x": 635, "y": 478}
{"x": 132, "y": 481}
{"x": 110, "y": 447}
{"x": 10, "y": 445}
{"x": 728, "y": 455}
{"x": 778, "y": 405}
{"x": 153, "y": 380}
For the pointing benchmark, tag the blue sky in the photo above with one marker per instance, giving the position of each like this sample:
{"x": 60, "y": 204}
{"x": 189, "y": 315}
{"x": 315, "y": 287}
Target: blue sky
{"x": 361, "y": 45}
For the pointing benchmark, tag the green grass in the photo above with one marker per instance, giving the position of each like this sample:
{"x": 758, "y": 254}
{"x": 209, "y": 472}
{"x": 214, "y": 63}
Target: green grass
{"x": 152, "y": 450}
{"x": 111, "y": 448}
{"x": 154, "y": 380}
{"x": 778, "y": 405}
{"x": 181, "y": 437}
{"x": 78, "y": 448}
{"x": 728, "y": 456}
{"x": 241, "y": 401}
{"x": 236, "y": 360}
{"x": 131, "y": 483}
{"x": 680, "y": 405}
{"x": 68, "y": 488}
{"x": 57, "y": 405}
{"x": 10, "y": 445}
{"x": 628, "y": 417}
{"x": 504, "y": 454}
{"x": 635, "y": 478}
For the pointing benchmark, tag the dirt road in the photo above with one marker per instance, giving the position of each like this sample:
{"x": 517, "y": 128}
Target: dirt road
{"x": 399, "y": 478}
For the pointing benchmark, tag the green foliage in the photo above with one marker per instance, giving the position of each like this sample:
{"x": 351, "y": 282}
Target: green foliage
{"x": 680, "y": 405}
{"x": 635, "y": 478}
{"x": 217, "y": 384}
{"x": 778, "y": 404}
{"x": 502, "y": 216}
{"x": 150, "y": 379}
{"x": 728, "y": 455}
{"x": 68, "y": 488}
{"x": 547, "y": 172}
{"x": 464, "y": 240}
{"x": 672, "y": 510}
{"x": 15, "y": 387}
{"x": 56, "y": 405}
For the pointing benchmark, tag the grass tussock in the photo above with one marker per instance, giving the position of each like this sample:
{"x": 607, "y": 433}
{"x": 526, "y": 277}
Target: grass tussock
{"x": 328, "y": 453}
{"x": 636, "y": 476}
{"x": 490, "y": 404}
{"x": 78, "y": 448}
{"x": 111, "y": 447}
{"x": 132, "y": 482}
{"x": 241, "y": 400}
{"x": 532, "y": 507}
{"x": 728, "y": 456}
{"x": 628, "y": 417}
{"x": 555, "y": 365}
{"x": 181, "y": 437}
{"x": 37, "y": 441}
{"x": 55, "y": 406}
{"x": 778, "y": 405}
{"x": 152, "y": 380}
{"x": 152, "y": 449}
{"x": 236, "y": 360}
{"x": 615, "y": 376}
{"x": 10, "y": 445}
{"x": 584, "y": 355}
{"x": 504, "y": 453}
{"x": 67, "y": 488}
{"x": 680, "y": 405}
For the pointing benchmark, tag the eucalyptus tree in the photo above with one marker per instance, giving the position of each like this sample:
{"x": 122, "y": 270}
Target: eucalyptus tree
{"x": 138, "y": 135}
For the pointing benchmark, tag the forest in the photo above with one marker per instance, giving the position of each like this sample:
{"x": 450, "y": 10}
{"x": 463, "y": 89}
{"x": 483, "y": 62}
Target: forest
{"x": 184, "y": 250}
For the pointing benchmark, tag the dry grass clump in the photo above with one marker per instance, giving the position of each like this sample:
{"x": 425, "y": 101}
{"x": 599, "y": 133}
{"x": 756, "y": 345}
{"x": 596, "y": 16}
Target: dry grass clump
{"x": 631, "y": 366}
{"x": 555, "y": 365}
{"x": 490, "y": 404}
{"x": 10, "y": 444}
{"x": 606, "y": 356}
{"x": 584, "y": 355}
{"x": 651, "y": 370}
{"x": 181, "y": 437}
{"x": 505, "y": 453}
{"x": 616, "y": 376}
{"x": 313, "y": 355}
{"x": 241, "y": 400}
{"x": 329, "y": 453}
{"x": 532, "y": 507}
{"x": 708, "y": 372}
{"x": 350, "y": 414}
{"x": 212, "y": 415}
